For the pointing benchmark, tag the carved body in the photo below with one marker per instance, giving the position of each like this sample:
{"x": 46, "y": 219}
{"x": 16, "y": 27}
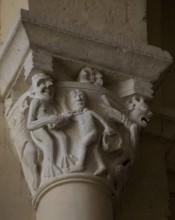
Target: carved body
{"x": 85, "y": 119}
{"x": 44, "y": 123}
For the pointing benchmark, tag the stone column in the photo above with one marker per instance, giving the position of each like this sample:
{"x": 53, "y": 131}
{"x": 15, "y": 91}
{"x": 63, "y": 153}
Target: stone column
{"x": 75, "y": 106}
{"x": 76, "y": 197}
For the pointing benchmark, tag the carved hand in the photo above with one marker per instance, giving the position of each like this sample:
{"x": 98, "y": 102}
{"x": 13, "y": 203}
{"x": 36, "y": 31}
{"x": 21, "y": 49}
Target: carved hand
{"x": 23, "y": 106}
{"x": 110, "y": 131}
{"x": 126, "y": 122}
{"x": 51, "y": 126}
{"x": 67, "y": 115}
{"x": 53, "y": 119}
{"x": 58, "y": 121}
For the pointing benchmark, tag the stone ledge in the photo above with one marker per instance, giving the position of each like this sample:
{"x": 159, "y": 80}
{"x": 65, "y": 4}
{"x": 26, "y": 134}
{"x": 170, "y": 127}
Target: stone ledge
{"x": 121, "y": 58}
{"x": 114, "y": 41}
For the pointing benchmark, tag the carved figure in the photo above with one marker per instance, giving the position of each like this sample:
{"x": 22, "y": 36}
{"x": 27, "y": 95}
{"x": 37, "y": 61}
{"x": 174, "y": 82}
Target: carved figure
{"x": 85, "y": 75}
{"x": 97, "y": 78}
{"x": 86, "y": 121}
{"x": 44, "y": 122}
{"x": 26, "y": 149}
{"x": 115, "y": 114}
{"x": 138, "y": 117}
{"x": 139, "y": 112}
{"x": 89, "y": 75}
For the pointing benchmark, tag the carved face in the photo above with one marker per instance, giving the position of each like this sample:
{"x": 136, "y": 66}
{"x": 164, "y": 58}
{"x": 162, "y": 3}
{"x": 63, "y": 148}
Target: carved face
{"x": 84, "y": 75}
{"x": 140, "y": 112}
{"x": 42, "y": 86}
{"x": 98, "y": 78}
{"x": 88, "y": 75}
{"x": 78, "y": 98}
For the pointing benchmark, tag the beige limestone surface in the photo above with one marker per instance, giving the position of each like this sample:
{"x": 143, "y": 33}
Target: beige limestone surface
{"x": 77, "y": 198}
{"x": 8, "y": 13}
{"x": 122, "y": 17}
{"x": 14, "y": 194}
{"x": 107, "y": 17}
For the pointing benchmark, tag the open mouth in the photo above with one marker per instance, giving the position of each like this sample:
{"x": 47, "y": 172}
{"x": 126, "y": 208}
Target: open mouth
{"x": 45, "y": 91}
{"x": 145, "y": 119}
{"x": 80, "y": 103}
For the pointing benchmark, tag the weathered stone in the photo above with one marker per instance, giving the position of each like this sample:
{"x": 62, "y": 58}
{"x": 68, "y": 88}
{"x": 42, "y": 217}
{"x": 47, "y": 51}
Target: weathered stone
{"x": 75, "y": 102}
{"x": 106, "y": 17}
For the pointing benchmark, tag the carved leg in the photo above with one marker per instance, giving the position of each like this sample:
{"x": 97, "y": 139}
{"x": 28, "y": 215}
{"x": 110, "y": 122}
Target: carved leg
{"x": 67, "y": 159}
{"x": 29, "y": 156}
{"x": 101, "y": 166}
{"x": 45, "y": 142}
{"x": 87, "y": 141}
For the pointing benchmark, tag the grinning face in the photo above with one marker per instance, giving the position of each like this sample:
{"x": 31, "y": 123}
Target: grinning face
{"x": 78, "y": 99}
{"x": 140, "y": 113}
{"x": 42, "y": 86}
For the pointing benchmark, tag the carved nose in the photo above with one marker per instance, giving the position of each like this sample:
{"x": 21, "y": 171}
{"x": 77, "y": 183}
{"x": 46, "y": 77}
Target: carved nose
{"x": 79, "y": 99}
{"x": 49, "y": 84}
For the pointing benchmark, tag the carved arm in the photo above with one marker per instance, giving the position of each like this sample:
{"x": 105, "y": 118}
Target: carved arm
{"x": 33, "y": 123}
{"x": 107, "y": 128}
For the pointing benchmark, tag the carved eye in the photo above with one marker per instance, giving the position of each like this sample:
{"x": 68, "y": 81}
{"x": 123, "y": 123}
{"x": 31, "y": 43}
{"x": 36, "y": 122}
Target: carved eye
{"x": 144, "y": 108}
{"x": 41, "y": 83}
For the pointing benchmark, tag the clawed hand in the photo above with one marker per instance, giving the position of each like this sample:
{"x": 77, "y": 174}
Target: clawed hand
{"x": 51, "y": 125}
{"x": 54, "y": 118}
{"x": 110, "y": 131}
{"x": 67, "y": 114}
{"x": 60, "y": 117}
{"x": 24, "y": 106}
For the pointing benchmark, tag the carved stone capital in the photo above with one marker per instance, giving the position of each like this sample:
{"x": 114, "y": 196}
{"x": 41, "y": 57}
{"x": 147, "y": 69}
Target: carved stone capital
{"x": 75, "y": 103}
{"x": 66, "y": 128}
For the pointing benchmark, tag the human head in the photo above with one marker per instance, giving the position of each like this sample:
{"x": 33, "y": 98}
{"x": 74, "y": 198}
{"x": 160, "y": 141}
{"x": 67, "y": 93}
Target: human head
{"x": 89, "y": 75}
{"x": 42, "y": 86}
{"x": 78, "y": 98}
{"x": 98, "y": 78}
{"x": 85, "y": 75}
